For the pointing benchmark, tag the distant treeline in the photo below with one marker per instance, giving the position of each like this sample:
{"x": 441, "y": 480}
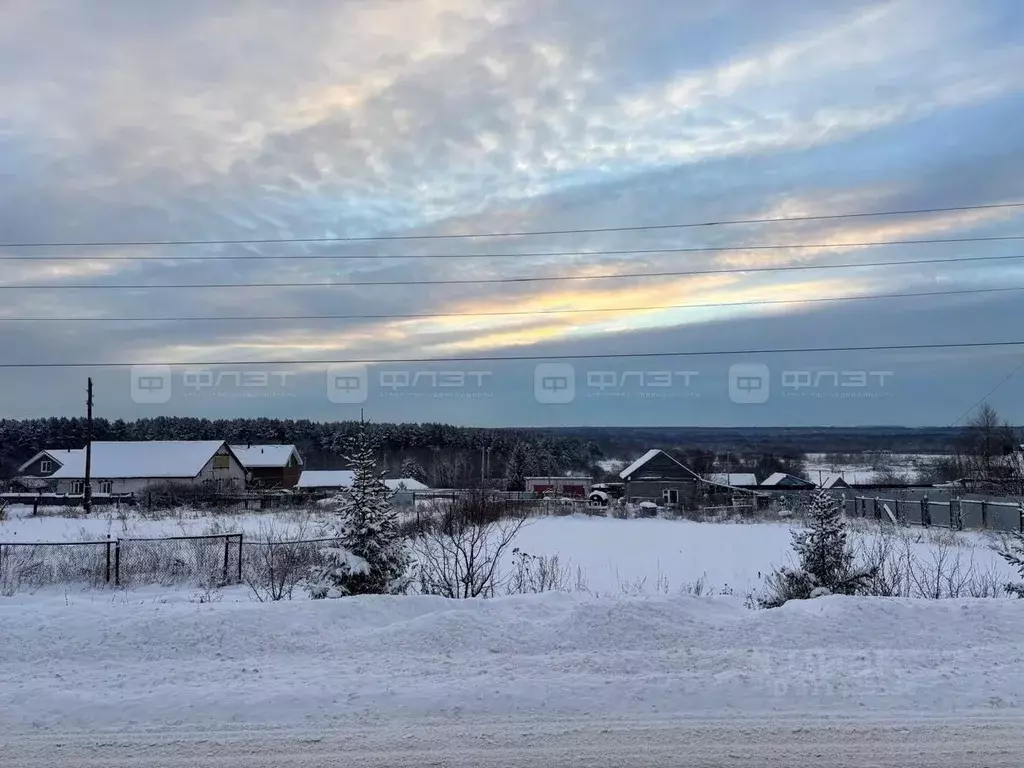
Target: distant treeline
{"x": 773, "y": 440}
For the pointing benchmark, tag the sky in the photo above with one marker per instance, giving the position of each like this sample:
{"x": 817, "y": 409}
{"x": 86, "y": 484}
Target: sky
{"x": 384, "y": 121}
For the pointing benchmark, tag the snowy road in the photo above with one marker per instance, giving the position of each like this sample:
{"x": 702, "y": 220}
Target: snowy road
{"x": 149, "y": 679}
{"x": 762, "y": 742}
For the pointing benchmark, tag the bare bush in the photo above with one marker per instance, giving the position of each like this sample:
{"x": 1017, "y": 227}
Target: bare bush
{"x": 948, "y": 570}
{"x": 459, "y": 553}
{"x": 31, "y": 566}
{"x": 533, "y": 574}
{"x": 276, "y": 563}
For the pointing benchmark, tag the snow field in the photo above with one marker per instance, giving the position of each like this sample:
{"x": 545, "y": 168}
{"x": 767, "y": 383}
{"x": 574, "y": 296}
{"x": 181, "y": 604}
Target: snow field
{"x": 613, "y": 556}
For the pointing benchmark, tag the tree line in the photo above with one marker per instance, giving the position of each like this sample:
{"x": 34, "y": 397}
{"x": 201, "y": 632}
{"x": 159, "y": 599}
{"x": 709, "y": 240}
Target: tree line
{"x": 441, "y": 455}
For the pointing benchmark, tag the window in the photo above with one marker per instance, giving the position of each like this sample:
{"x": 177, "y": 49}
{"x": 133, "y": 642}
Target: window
{"x": 106, "y": 486}
{"x": 670, "y": 495}
{"x": 77, "y": 487}
{"x": 45, "y": 466}
{"x": 221, "y": 462}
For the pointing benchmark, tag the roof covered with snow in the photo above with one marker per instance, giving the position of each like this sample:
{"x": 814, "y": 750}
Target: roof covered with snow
{"x": 141, "y": 459}
{"x": 733, "y": 478}
{"x": 650, "y": 456}
{"x": 406, "y": 483}
{"x": 781, "y": 479}
{"x": 254, "y": 456}
{"x": 639, "y": 463}
{"x": 60, "y": 455}
{"x": 834, "y": 481}
{"x": 343, "y": 478}
{"x": 326, "y": 478}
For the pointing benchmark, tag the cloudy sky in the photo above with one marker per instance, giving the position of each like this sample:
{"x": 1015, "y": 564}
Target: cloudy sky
{"x": 126, "y": 121}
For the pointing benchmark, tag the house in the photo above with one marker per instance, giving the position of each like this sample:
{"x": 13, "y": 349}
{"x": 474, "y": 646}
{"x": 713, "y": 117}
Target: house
{"x": 734, "y": 479}
{"x": 325, "y": 479}
{"x": 577, "y": 486}
{"x": 656, "y": 476}
{"x": 834, "y": 483}
{"x": 789, "y": 482}
{"x": 47, "y": 461}
{"x": 132, "y": 467}
{"x": 315, "y": 480}
{"x": 270, "y": 466}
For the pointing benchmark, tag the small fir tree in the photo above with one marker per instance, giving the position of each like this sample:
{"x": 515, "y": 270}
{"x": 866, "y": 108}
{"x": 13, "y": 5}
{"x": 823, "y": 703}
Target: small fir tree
{"x": 372, "y": 558}
{"x": 1013, "y": 553}
{"x": 826, "y": 562}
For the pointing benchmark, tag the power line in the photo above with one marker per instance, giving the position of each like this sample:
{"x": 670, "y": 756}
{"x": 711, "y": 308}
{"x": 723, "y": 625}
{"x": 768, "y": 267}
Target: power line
{"x": 534, "y": 233}
{"x": 427, "y": 315}
{"x": 536, "y": 254}
{"x": 989, "y": 394}
{"x": 531, "y": 279}
{"x": 521, "y": 358}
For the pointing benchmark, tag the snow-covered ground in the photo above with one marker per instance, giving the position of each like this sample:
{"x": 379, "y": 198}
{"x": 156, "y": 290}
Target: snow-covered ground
{"x": 631, "y": 671}
{"x": 859, "y": 470}
{"x": 22, "y": 526}
{"x": 103, "y": 668}
{"x": 612, "y": 556}
{"x": 612, "y": 465}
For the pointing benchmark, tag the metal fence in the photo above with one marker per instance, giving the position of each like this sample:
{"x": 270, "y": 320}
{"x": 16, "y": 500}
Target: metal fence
{"x": 201, "y": 560}
{"x": 955, "y": 512}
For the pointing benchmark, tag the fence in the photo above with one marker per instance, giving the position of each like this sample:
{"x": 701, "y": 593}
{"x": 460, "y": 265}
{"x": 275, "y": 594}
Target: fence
{"x": 203, "y": 560}
{"x": 954, "y": 512}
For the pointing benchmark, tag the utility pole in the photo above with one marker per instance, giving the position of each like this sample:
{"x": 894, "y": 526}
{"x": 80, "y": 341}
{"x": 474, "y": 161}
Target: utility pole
{"x": 87, "y": 500}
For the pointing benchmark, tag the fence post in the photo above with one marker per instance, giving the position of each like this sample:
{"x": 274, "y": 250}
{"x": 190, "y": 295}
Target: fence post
{"x": 926, "y": 513}
{"x": 1020, "y": 517}
{"x": 117, "y": 563}
{"x": 227, "y": 546}
{"x": 959, "y": 513}
{"x": 896, "y": 511}
{"x": 240, "y": 558}
{"x": 984, "y": 513}
{"x": 108, "y": 558}
{"x": 877, "y": 509}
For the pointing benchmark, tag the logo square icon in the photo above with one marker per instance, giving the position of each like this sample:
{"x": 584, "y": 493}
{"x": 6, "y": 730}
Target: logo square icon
{"x": 749, "y": 383}
{"x": 347, "y": 383}
{"x": 151, "y": 384}
{"x": 554, "y": 383}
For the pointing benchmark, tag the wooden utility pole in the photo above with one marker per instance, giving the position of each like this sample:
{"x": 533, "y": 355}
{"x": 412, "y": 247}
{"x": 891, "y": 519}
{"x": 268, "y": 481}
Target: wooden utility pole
{"x": 87, "y": 490}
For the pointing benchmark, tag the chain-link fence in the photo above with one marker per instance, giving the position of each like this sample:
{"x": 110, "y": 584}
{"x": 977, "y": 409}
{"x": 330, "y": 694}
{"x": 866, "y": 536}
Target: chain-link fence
{"x": 25, "y": 566}
{"x": 179, "y": 559}
{"x": 272, "y": 565}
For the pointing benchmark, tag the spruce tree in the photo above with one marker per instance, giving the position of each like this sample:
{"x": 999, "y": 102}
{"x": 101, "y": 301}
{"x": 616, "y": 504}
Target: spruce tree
{"x": 826, "y": 560}
{"x": 372, "y": 558}
{"x": 1013, "y": 553}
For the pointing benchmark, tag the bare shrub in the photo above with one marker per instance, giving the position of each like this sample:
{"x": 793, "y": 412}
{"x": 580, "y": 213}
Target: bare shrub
{"x": 533, "y": 574}
{"x": 581, "y": 584}
{"x": 176, "y": 494}
{"x": 275, "y": 563}
{"x": 459, "y": 553}
{"x": 31, "y": 566}
{"x": 948, "y": 570}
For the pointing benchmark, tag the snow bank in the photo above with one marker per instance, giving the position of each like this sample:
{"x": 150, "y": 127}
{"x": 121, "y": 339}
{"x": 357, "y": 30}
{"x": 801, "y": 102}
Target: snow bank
{"x": 90, "y": 661}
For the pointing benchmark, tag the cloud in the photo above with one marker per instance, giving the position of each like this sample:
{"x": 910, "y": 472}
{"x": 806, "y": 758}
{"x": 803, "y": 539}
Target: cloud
{"x": 180, "y": 120}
